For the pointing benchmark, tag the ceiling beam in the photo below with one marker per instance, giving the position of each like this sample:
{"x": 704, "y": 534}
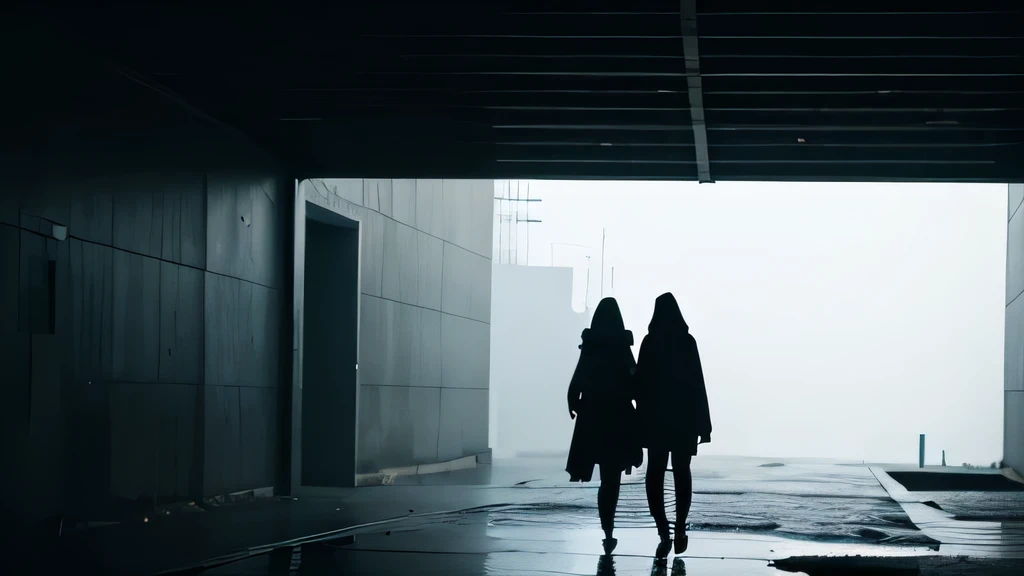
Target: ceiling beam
{"x": 695, "y": 90}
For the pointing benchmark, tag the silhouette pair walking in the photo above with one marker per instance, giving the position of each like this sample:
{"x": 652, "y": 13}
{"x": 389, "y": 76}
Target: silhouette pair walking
{"x": 622, "y": 406}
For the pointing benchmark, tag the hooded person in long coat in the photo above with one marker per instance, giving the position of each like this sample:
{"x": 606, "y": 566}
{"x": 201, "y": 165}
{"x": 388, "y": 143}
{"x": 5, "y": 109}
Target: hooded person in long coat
{"x": 601, "y": 401}
{"x": 672, "y": 404}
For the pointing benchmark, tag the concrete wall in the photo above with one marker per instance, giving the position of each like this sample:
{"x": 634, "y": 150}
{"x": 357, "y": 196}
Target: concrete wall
{"x": 425, "y": 307}
{"x": 1013, "y": 382}
{"x": 533, "y": 354}
{"x": 147, "y": 364}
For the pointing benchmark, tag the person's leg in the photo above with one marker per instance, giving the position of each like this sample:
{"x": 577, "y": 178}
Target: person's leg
{"x": 608, "y": 497}
{"x": 657, "y": 463}
{"x": 684, "y": 494}
{"x": 684, "y": 488}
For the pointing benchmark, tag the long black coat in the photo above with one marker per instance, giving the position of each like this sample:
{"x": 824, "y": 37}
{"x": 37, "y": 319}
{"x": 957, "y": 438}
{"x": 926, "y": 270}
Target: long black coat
{"x": 672, "y": 401}
{"x": 601, "y": 395}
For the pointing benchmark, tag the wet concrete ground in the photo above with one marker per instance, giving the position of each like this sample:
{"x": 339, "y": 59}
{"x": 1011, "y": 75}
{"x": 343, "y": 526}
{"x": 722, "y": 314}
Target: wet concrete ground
{"x": 972, "y": 523}
{"x": 522, "y": 517}
{"x": 469, "y": 544}
{"x": 963, "y": 504}
{"x": 811, "y": 500}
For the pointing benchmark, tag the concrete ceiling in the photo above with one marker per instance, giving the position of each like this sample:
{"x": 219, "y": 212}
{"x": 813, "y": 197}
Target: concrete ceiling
{"x": 605, "y": 89}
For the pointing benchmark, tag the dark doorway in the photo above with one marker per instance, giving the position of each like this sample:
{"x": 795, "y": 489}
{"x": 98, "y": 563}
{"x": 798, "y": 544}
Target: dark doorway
{"x": 329, "y": 354}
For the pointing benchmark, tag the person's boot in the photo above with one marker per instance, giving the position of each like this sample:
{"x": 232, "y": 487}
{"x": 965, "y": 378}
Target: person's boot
{"x": 661, "y": 554}
{"x": 609, "y": 544}
{"x": 682, "y": 541}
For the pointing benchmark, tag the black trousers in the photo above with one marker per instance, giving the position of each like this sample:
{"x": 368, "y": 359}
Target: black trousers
{"x": 657, "y": 465}
{"x": 608, "y": 496}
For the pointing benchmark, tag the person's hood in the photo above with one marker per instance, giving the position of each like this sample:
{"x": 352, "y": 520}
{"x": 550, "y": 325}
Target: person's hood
{"x": 667, "y": 318}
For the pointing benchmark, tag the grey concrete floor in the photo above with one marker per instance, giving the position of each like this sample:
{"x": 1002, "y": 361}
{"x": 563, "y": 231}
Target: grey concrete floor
{"x": 469, "y": 545}
{"x": 971, "y": 523}
{"x": 522, "y": 517}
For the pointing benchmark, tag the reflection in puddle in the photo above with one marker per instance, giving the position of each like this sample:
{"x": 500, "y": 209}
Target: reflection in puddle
{"x": 661, "y": 568}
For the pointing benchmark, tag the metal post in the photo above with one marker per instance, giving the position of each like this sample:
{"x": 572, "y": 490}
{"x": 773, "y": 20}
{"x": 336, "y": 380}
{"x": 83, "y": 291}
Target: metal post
{"x": 586, "y": 294}
{"x": 602, "y": 263}
{"x": 527, "y": 223}
{"x": 920, "y": 453}
{"x": 517, "y": 223}
{"x": 510, "y": 220}
{"x": 501, "y": 207}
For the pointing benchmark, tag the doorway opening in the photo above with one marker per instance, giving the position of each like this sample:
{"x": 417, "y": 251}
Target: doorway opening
{"x": 329, "y": 353}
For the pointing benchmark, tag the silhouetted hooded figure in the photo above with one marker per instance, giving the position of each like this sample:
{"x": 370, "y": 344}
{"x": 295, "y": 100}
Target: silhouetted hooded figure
{"x": 601, "y": 400}
{"x": 672, "y": 404}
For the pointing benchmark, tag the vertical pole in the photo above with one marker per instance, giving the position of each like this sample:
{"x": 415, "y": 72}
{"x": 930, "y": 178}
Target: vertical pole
{"x": 500, "y": 207}
{"x": 920, "y": 453}
{"x": 527, "y": 223}
{"x": 586, "y": 294}
{"x": 517, "y": 222}
{"x": 602, "y": 263}
{"x": 511, "y": 209}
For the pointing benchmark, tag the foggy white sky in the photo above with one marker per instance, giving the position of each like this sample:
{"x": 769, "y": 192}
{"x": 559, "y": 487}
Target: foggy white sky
{"x": 833, "y": 320}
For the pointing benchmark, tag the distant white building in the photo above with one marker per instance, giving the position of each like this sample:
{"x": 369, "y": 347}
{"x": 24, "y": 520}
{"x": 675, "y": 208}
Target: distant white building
{"x": 534, "y": 348}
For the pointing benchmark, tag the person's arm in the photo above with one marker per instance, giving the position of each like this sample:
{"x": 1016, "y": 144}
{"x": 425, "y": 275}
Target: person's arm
{"x": 703, "y": 412}
{"x": 576, "y": 387}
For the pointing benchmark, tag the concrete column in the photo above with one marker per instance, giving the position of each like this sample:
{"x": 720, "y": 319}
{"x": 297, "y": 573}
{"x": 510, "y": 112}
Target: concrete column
{"x": 1013, "y": 374}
